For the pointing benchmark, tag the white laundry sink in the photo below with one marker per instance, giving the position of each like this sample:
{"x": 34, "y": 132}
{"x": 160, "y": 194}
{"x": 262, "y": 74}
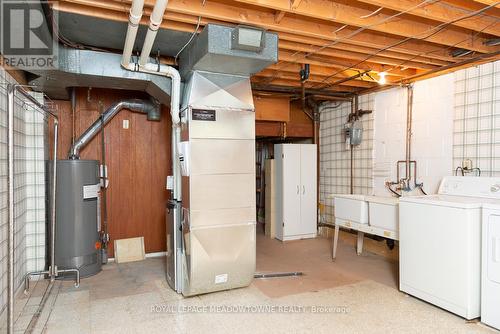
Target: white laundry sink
{"x": 384, "y": 212}
{"x": 352, "y": 208}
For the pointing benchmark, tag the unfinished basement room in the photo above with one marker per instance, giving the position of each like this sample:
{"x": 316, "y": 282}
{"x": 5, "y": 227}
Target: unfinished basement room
{"x": 249, "y": 166}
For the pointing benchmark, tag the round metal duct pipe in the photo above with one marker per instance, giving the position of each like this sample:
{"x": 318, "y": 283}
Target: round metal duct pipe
{"x": 150, "y": 108}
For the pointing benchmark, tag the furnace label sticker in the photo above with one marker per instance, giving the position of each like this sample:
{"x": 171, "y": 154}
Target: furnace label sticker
{"x": 203, "y": 115}
{"x": 219, "y": 279}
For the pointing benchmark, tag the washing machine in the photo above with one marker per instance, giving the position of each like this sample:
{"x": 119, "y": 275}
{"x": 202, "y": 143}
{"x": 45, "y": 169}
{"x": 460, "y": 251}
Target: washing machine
{"x": 440, "y": 243}
{"x": 490, "y": 275}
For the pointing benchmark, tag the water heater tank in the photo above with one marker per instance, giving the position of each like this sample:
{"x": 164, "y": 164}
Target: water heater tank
{"x": 77, "y": 237}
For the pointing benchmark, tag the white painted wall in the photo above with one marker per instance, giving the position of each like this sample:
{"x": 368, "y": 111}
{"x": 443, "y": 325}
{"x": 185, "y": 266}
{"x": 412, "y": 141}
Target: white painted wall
{"x": 432, "y": 139}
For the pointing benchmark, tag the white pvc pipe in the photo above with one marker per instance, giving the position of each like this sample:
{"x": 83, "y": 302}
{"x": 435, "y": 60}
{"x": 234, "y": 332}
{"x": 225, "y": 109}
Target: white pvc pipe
{"x": 164, "y": 70}
{"x": 154, "y": 24}
{"x": 133, "y": 25}
{"x": 173, "y": 74}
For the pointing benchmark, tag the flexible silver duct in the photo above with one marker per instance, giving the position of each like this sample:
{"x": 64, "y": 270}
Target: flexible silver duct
{"x": 152, "y": 109}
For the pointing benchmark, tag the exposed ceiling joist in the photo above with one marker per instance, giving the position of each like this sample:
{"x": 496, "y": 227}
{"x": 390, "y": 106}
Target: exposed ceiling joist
{"x": 472, "y": 6}
{"x": 316, "y": 78}
{"x": 360, "y": 17}
{"x": 279, "y": 16}
{"x": 294, "y": 25}
{"x": 326, "y": 34}
{"x": 295, "y": 3}
{"x": 354, "y": 56}
{"x": 441, "y": 12}
{"x": 487, "y": 2}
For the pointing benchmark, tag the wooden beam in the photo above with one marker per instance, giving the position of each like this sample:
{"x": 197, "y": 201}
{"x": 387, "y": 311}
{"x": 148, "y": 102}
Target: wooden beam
{"x": 268, "y": 129}
{"x": 321, "y": 71}
{"x": 404, "y": 58}
{"x": 353, "y": 56}
{"x": 279, "y": 16}
{"x": 472, "y": 6}
{"x": 294, "y": 4}
{"x": 293, "y": 25}
{"x": 488, "y": 2}
{"x": 313, "y": 78}
{"x": 341, "y": 64}
{"x": 439, "y": 57}
{"x": 481, "y": 59}
{"x": 169, "y": 22}
{"x": 441, "y": 12}
{"x": 272, "y": 108}
{"x": 351, "y": 15}
{"x": 296, "y": 83}
{"x": 285, "y": 55}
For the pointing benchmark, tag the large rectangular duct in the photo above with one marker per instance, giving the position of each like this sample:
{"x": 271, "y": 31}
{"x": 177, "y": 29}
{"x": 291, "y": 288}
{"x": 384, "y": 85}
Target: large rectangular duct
{"x": 216, "y": 248}
{"x": 214, "y": 51}
{"x": 86, "y": 68}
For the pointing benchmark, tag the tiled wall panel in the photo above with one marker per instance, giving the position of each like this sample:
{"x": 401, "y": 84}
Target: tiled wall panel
{"x": 29, "y": 188}
{"x": 477, "y": 118}
{"x": 335, "y": 158}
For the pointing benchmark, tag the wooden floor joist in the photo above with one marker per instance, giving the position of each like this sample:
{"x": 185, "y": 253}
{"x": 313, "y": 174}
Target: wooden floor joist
{"x": 338, "y": 38}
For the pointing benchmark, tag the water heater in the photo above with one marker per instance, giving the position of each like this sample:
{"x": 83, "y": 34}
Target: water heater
{"x": 77, "y": 243}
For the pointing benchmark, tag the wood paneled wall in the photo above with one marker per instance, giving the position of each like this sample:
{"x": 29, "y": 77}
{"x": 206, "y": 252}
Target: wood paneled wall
{"x": 138, "y": 160}
{"x": 298, "y": 125}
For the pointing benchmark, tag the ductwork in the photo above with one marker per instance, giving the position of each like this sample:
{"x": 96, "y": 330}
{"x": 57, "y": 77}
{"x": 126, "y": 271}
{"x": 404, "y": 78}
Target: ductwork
{"x": 85, "y": 68}
{"x": 212, "y": 51}
{"x": 150, "y": 108}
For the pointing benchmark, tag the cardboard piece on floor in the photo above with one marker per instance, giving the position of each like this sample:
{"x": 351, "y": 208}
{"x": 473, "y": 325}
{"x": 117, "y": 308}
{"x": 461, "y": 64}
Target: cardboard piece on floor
{"x": 129, "y": 250}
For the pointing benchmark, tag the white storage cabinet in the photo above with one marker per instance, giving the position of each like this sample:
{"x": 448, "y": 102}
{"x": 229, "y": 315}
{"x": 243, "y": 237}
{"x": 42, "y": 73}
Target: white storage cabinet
{"x": 296, "y": 193}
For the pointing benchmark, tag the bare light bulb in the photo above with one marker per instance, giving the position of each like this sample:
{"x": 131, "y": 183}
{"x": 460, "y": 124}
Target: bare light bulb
{"x": 382, "y": 80}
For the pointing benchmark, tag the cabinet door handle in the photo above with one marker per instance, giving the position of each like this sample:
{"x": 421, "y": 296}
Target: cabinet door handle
{"x": 298, "y": 190}
{"x": 303, "y": 190}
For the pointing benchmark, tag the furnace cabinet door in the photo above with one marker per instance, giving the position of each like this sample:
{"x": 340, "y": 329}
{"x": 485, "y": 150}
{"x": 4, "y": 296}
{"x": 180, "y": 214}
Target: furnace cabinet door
{"x": 308, "y": 200}
{"x": 291, "y": 190}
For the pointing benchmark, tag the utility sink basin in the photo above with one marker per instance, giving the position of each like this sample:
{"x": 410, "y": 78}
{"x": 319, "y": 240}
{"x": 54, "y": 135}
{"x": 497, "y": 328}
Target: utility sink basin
{"x": 352, "y": 208}
{"x": 384, "y": 212}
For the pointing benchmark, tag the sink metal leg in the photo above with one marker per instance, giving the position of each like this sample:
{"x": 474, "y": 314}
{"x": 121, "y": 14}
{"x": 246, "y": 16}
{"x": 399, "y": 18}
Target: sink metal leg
{"x": 335, "y": 241}
{"x": 359, "y": 246}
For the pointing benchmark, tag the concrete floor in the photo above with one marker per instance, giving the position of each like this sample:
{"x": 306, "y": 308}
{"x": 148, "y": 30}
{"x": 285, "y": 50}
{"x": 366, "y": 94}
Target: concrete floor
{"x": 356, "y": 294}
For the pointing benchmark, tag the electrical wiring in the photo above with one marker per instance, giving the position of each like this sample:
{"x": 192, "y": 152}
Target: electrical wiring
{"x": 195, "y": 31}
{"x": 440, "y": 49}
{"x": 437, "y": 29}
{"x": 354, "y": 33}
{"x": 371, "y": 14}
